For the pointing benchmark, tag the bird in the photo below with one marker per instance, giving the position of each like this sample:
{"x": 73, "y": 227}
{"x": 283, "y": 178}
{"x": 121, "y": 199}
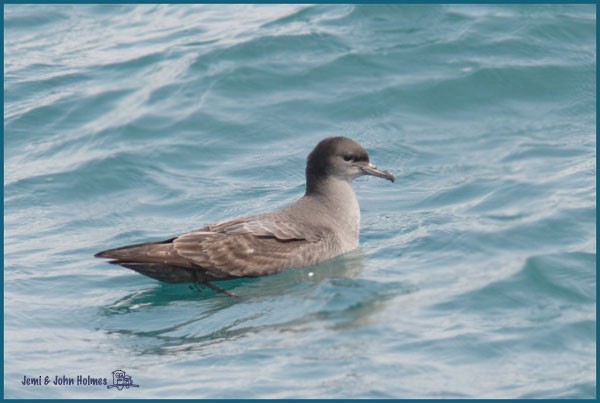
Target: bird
{"x": 323, "y": 224}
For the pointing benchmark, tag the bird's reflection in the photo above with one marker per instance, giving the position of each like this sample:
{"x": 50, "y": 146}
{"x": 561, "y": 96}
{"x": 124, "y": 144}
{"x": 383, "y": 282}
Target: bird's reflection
{"x": 172, "y": 318}
{"x": 347, "y": 266}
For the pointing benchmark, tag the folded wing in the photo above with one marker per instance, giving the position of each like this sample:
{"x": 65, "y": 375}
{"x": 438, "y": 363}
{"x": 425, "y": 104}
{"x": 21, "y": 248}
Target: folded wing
{"x": 237, "y": 248}
{"x": 249, "y": 247}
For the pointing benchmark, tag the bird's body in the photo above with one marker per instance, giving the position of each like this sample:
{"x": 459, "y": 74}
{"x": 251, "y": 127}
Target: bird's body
{"x": 323, "y": 224}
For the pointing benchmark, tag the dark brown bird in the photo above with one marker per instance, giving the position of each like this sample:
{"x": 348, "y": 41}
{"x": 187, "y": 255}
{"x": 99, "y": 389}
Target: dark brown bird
{"x": 322, "y": 224}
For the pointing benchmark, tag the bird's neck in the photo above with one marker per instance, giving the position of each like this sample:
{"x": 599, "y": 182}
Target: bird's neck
{"x": 342, "y": 205}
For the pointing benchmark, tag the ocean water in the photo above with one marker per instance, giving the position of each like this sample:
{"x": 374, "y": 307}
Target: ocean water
{"x": 476, "y": 274}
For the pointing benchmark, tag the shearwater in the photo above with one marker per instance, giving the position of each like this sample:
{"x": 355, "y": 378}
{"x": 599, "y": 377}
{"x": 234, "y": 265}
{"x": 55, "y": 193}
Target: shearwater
{"x": 322, "y": 224}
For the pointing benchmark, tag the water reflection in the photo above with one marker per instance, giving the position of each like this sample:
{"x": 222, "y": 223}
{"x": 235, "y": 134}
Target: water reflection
{"x": 167, "y": 319}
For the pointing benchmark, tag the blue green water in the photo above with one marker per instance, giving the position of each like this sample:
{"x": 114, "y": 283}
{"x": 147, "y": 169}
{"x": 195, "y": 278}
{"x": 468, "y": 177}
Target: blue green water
{"x": 476, "y": 271}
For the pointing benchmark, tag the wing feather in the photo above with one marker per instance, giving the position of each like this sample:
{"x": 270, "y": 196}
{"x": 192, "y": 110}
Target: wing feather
{"x": 251, "y": 247}
{"x": 282, "y": 230}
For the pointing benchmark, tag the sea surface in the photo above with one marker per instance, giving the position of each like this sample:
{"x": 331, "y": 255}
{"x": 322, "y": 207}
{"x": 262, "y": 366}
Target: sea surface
{"x": 476, "y": 274}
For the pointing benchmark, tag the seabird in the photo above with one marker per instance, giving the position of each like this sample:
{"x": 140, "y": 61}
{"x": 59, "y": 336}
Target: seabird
{"x": 322, "y": 224}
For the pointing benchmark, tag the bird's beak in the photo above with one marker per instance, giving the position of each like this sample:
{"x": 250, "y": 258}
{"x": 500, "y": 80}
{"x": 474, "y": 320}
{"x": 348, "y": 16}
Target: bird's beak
{"x": 371, "y": 169}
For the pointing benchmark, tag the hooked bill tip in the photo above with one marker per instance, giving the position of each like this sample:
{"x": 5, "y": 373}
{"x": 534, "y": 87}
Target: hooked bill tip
{"x": 371, "y": 169}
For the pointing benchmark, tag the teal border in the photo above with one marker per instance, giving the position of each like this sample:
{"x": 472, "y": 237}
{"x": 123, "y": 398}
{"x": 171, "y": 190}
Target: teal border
{"x": 295, "y": 2}
{"x": 2, "y": 292}
{"x": 299, "y": 2}
{"x": 597, "y": 182}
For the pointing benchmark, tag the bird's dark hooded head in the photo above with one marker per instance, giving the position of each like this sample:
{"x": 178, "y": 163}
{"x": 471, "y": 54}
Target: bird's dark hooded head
{"x": 339, "y": 158}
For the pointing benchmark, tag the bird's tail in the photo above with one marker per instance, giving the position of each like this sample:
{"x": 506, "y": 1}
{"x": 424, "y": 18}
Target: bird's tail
{"x": 162, "y": 252}
{"x": 158, "y": 260}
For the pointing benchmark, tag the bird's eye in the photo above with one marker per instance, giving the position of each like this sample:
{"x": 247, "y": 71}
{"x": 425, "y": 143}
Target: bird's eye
{"x": 348, "y": 158}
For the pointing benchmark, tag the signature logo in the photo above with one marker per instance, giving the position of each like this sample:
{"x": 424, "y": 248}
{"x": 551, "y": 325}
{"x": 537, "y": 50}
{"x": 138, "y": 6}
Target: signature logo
{"x": 122, "y": 380}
